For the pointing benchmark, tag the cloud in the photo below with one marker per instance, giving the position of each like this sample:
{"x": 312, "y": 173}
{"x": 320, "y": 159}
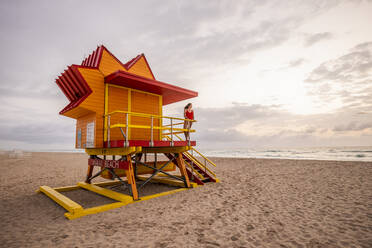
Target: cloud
{"x": 296, "y": 63}
{"x": 231, "y": 116}
{"x": 242, "y": 125}
{"x": 347, "y": 78}
{"x": 45, "y": 133}
{"x": 352, "y": 126}
{"x": 315, "y": 38}
{"x": 183, "y": 37}
{"x": 353, "y": 66}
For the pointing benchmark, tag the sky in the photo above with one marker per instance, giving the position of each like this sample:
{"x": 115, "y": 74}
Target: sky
{"x": 268, "y": 73}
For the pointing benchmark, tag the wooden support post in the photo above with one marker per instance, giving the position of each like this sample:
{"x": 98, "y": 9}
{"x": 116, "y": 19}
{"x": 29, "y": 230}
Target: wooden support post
{"x": 131, "y": 179}
{"x": 181, "y": 166}
{"x": 89, "y": 173}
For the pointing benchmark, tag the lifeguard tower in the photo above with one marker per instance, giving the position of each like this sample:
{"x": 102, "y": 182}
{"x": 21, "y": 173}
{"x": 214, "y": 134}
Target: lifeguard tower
{"x": 118, "y": 108}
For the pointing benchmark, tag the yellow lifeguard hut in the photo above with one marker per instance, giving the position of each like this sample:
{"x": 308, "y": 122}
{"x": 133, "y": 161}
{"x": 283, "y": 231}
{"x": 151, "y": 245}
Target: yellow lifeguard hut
{"x": 118, "y": 108}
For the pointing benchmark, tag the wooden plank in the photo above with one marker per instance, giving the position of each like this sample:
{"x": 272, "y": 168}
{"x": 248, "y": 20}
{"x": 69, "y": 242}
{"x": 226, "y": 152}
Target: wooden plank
{"x": 62, "y": 200}
{"x": 113, "y": 151}
{"x": 167, "y": 180}
{"x": 106, "y": 192}
{"x": 95, "y": 210}
{"x": 181, "y": 166}
{"x": 173, "y": 149}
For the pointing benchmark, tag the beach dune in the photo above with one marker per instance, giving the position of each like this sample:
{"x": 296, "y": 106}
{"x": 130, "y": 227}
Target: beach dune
{"x": 258, "y": 203}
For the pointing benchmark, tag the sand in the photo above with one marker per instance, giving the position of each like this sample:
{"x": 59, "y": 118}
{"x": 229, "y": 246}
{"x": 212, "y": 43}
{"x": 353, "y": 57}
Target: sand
{"x": 259, "y": 203}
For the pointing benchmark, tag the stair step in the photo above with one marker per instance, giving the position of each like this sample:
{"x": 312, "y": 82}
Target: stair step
{"x": 196, "y": 166}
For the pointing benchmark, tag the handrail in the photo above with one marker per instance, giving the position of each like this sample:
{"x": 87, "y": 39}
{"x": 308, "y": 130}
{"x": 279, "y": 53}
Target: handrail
{"x": 170, "y": 127}
{"x": 182, "y": 131}
{"x": 147, "y": 115}
{"x": 194, "y": 160}
{"x": 149, "y": 127}
{"x": 173, "y": 124}
{"x": 194, "y": 170}
{"x": 199, "y": 153}
{"x": 197, "y": 162}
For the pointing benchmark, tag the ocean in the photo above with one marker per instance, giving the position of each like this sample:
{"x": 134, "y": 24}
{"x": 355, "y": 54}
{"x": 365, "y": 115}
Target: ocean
{"x": 363, "y": 153}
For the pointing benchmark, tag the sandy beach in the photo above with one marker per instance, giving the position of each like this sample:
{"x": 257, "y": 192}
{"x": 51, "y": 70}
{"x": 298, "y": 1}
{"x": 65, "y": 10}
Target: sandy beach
{"x": 259, "y": 203}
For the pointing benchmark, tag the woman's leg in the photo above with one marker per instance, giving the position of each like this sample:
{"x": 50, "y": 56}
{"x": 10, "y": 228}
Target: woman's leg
{"x": 185, "y": 127}
{"x": 189, "y": 127}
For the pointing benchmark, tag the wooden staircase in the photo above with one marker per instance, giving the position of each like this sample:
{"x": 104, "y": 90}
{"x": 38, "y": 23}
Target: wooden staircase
{"x": 197, "y": 170}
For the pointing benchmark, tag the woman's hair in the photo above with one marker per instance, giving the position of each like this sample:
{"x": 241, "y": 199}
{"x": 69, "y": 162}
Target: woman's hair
{"x": 188, "y": 105}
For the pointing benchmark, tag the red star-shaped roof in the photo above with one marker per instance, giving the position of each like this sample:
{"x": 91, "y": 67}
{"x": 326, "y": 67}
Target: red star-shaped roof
{"x": 76, "y": 88}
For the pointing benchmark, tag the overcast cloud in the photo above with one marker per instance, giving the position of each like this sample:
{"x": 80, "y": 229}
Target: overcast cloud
{"x": 315, "y": 38}
{"x": 268, "y": 73}
{"x": 346, "y": 79}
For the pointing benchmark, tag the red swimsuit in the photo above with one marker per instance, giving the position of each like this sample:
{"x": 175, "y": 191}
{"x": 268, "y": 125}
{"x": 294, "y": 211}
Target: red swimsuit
{"x": 190, "y": 115}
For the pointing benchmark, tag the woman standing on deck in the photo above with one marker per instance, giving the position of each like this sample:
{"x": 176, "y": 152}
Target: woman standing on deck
{"x": 188, "y": 113}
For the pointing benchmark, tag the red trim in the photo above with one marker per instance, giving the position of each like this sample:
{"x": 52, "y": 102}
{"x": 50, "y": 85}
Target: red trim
{"x": 73, "y": 104}
{"x": 87, "y": 61}
{"x": 191, "y": 176}
{"x": 68, "y": 81}
{"x": 131, "y": 62}
{"x": 64, "y": 90}
{"x": 170, "y": 93}
{"x": 147, "y": 63}
{"x": 100, "y": 52}
{"x": 201, "y": 170}
{"x": 68, "y": 87}
{"x": 80, "y": 77}
{"x": 94, "y": 59}
{"x": 146, "y": 143}
{"x": 114, "y": 164}
{"x": 194, "y": 178}
{"x": 77, "y": 81}
{"x": 90, "y": 59}
{"x": 84, "y": 66}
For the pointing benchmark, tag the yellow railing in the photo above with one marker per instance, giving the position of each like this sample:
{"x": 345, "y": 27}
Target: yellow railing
{"x": 191, "y": 157}
{"x": 201, "y": 155}
{"x": 172, "y": 130}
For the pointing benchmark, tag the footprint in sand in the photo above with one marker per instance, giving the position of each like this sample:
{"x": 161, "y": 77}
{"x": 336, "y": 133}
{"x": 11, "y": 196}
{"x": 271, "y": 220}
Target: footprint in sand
{"x": 249, "y": 227}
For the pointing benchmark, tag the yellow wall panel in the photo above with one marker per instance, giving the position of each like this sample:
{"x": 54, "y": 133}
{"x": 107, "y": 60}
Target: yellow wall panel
{"x": 99, "y": 131}
{"x": 118, "y": 100}
{"x": 95, "y": 101}
{"x": 109, "y": 64}
{"x": 142, "y": 102}
{"x": 140, "y": 68}
{"x": 95, "y": 80}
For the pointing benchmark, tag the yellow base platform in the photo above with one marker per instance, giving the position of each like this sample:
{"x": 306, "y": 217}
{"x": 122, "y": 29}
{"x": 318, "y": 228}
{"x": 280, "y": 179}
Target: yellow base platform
{"x": 75, "y": 210}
